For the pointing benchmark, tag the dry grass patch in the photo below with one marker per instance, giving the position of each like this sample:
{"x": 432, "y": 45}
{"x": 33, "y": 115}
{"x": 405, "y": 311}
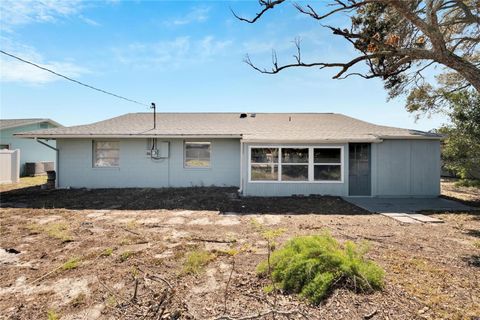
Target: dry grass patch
{"x": 195, "y": 261}
{"x": 55, "y": 230}
{"x": 25, "y": 182}
{"x": 432, "y": 285}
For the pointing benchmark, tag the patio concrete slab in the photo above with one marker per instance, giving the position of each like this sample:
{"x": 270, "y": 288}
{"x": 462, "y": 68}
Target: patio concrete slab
{"x": 424, "y": 218}
{"x": 404, "y": 209}
{"x": 401, "y": 217}
{"x": 406, "y": 205}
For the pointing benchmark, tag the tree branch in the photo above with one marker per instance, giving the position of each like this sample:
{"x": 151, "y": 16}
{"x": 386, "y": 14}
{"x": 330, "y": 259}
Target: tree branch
{"x": 267, "y": 4}
{"x": 343, "y": 7}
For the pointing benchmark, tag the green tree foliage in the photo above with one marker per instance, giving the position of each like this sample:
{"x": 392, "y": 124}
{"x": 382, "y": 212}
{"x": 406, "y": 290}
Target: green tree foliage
{"x": 461, "y": 149}
{"x": 313, "y": 265}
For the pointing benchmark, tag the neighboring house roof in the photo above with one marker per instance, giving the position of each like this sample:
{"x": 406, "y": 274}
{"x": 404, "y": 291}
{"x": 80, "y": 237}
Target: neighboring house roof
{"x": 259, "y": 127}
{"x": 14, "y": 123}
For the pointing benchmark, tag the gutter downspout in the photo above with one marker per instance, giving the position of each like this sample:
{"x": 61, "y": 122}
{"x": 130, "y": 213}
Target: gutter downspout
{"x": 57, "y": 159}
{"x": 240, "y": 190}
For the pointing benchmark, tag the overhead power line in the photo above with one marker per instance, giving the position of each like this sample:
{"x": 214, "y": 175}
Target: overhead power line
{"x": 73, "y": 80}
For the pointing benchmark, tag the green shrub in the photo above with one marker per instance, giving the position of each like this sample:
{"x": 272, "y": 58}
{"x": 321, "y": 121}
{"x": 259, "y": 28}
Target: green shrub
{"x": 196, "y": 260}
{"x": 312, "y": 265}
{"x": 470, "y": 183}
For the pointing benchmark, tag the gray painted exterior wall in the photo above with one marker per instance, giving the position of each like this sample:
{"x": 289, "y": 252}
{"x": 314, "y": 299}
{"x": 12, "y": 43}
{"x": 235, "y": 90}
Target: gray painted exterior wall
{"x": 406, "y": 168}
{"x": 401, "y": 168}
{"x": 30, "y": 150}
{"x": 136, "y": 169}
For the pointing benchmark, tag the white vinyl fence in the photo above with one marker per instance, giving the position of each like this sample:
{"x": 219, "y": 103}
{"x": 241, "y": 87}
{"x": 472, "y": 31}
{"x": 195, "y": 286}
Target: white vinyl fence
{"x": 9, "y": 166}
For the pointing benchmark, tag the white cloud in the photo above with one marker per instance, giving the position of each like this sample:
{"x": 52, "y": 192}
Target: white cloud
{"x": 89, "y": 21}
{"x": 196, "y": 14}
{"x": 12, "y": 70}
{"x": 21, "y": 12}
{"x": 178, "y": 52}
{"x": 16, "y": 12}
{"x": 209, "y": 46}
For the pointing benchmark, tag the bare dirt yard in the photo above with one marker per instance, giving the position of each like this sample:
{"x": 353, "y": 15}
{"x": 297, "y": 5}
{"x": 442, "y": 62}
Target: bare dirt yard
{"x": 467, "y": 195}
{"x": 168, "y": 254}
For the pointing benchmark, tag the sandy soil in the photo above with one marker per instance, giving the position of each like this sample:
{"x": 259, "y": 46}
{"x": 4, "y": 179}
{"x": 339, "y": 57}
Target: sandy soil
{"x": 431, "y": 269}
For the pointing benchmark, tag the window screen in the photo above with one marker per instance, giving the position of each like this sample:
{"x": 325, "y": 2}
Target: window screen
{"x": 106, "y": 153}
{"x": 197, "y": 154}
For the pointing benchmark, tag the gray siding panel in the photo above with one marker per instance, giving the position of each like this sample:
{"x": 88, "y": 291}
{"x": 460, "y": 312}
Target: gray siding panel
{"x": 406, "y": 168}
{"x": 138, "y": 170}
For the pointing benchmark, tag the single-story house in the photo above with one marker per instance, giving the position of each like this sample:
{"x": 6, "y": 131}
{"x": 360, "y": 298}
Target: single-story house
{"x": 30, "y": 151}
{"x": 263, "y": 154}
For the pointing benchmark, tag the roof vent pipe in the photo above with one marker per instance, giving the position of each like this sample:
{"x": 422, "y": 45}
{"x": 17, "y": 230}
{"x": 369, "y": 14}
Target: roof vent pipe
{"x": 243, "y": 115}
{"x": 154, "y": 115}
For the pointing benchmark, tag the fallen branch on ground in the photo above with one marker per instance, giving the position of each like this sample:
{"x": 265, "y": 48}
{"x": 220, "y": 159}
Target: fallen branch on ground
{"x": 264, "y": 314}
{"x": 213, "y": 240}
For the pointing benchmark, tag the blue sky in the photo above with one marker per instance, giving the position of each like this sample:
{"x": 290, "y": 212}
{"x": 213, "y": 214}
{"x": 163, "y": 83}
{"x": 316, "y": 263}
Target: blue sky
{"x": 186, "y": 56}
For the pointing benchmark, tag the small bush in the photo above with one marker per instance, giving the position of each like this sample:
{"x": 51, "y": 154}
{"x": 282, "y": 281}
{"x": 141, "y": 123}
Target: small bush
{"x": 195, "y": 261}
{"x": 72, "y": 263}
{"x": 470, "y": 183}
{"x": 312, "y": 265}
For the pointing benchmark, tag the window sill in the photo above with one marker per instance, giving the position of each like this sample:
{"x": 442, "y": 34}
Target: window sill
{"x": 200, "y": 168}
{"x": 299, "y": 182}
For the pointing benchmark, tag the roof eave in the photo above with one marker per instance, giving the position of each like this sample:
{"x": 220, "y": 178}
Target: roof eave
{"x": 283, "y": 141}
{"x": 419, "y": 137}
{"x": 125, "y": 136}
{"x": 32, "y": 122}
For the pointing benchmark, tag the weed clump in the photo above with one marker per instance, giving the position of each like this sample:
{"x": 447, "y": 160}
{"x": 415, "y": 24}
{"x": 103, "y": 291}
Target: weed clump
{"x": 72, "y": 263}
{"x": 107, "y": 252}
{"x": 124, "y": 256}
{"x": 313, "y": 265}
{"x": 196, "y": 260}
{"x": 52, "y": 315}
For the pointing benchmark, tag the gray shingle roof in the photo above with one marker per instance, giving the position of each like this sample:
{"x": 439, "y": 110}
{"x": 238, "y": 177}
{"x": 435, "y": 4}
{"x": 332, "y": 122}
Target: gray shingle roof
{"x": 282, "y": 127}
{"x": 13, "y": 123}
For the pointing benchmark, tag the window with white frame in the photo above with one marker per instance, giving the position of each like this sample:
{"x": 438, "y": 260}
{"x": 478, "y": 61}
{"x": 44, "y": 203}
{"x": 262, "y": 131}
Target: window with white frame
{"x": 197, "y": 154}
{"x": 264, "y": 164}
{"x": 327, "y": 164}
{"x": 106, "y": 154}
{"x": 296, "y": 164}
